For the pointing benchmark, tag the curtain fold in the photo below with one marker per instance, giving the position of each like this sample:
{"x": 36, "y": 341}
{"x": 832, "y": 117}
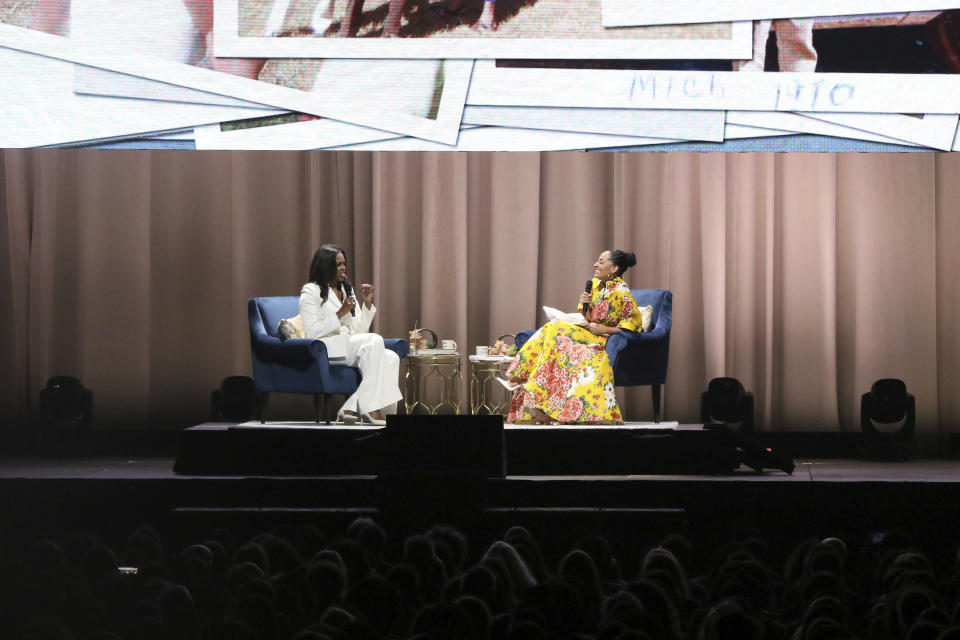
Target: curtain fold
{"x": 14, "y": 269}
{"x": 806, "y": 276}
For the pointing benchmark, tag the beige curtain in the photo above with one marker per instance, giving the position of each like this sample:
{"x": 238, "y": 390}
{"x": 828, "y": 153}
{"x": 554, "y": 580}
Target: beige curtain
{"x": 807, "y": 276}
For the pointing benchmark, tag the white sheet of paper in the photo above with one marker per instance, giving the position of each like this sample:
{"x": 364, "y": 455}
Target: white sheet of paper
{"x": 510, "y": 139}
{"x": 506, "y": 138}
{"x": 798, "y": 123}
{"x": 37, "y": 114}
{"x": 623, "y": 13}
{"x": 562, "y": 316}
{"x": 90, "y": 81}
{"x": 655, "y": 123}
{"x": 295, "y": 136}
{"x": 228, "y": 43}
{"x": 929, "y": 130}
{"x": 98, "y": 82}
{"x": 185, "y": 135}
{"x": 740, "y": 132}
{"x": 369, "y": 112}
{"x": 825, "y": 92}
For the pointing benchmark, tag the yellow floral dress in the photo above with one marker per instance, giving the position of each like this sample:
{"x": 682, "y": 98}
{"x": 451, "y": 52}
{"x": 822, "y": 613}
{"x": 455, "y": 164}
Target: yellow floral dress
{"x": 566, "y": 368}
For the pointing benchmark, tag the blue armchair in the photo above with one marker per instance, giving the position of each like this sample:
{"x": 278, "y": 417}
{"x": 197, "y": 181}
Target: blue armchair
{"x": 640, "y": 359}
{"x": 293, "y": 365}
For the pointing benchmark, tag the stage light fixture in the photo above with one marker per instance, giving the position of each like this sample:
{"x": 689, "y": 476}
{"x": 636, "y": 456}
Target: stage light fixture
{"x": 727, "y": 402}
{"x": 888, "y": 417}
{"x": 727, "y": 405}
{"x": 235, "y": 400}
{"x": 65, "y": 415}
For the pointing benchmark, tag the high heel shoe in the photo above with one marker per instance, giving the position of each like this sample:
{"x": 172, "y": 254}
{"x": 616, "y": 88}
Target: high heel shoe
{"x": 368, "y": 419}
{"x": 348, "y": 419}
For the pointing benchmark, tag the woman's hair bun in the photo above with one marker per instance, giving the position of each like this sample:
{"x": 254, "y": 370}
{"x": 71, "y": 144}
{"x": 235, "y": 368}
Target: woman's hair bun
{"x": 623, "y": 259}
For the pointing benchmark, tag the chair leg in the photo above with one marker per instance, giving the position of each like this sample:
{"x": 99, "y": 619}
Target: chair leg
{"x": 656, "y": 403}
{"x": 263, "y": 399}
{"x": 320, "y": 408}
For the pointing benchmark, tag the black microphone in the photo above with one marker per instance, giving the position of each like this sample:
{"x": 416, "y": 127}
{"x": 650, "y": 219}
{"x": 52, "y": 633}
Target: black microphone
{"x": 348, "y": 293}
{"x": 585, "y": 308}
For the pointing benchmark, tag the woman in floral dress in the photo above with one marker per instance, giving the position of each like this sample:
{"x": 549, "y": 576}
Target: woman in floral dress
{"x": 563, "y": 370}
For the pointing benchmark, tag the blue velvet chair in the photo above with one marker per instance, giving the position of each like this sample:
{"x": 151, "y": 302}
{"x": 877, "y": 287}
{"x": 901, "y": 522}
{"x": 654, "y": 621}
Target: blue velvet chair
{"x": 640, "y": 359}
{"x": 293, "y": 365}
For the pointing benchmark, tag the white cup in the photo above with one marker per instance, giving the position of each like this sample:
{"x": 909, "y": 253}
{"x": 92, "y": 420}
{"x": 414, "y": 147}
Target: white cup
{"x": 483, "y": 351}
{"x": 449, "y": 344}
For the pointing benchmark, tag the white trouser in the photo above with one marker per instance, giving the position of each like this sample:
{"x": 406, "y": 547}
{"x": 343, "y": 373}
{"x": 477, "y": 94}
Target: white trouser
{"x": 795, "y": 50}
{"x": 380, "y": 368}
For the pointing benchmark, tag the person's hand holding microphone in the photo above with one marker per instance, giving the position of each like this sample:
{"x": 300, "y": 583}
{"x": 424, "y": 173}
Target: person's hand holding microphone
{"x": 348, "y": 305}
{"x": 585, "y": 298}
{"x": 584, "y": 302}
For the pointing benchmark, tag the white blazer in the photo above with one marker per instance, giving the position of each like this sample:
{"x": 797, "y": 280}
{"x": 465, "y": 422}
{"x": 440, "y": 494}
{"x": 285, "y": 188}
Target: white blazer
{"x": 320, "y": 321}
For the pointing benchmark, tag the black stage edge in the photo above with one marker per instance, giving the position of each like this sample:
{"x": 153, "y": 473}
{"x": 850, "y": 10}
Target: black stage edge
{"x": 227, "y": 449}
{"x": 110, "y": 497}
{"x": 465, "y": 444}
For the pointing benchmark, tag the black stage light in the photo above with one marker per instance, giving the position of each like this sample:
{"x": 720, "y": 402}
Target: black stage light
{"x": 235, "y": 400}
{"x": 888, "y": 416}
{"x": 726, "y": 401}
{"x": 66, "y": 415}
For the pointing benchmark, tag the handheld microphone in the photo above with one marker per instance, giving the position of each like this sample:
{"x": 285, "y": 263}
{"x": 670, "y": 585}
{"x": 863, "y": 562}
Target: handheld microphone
{"x": 348, "y": 293}
{"x": 585, "y": 308}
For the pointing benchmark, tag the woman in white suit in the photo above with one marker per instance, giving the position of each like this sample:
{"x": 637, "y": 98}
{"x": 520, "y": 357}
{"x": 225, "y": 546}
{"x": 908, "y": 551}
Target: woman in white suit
{"x": 331, "y": 313}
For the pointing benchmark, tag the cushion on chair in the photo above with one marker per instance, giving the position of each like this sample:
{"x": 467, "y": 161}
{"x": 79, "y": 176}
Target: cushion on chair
{"x": 291, "y": 328}
{"x": 646, "y": 317}
{"x": 274, "y": 309}
{"x": 660, "y": 300}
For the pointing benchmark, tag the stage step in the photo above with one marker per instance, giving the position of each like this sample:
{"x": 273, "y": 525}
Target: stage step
{"x": 455, "y": 443}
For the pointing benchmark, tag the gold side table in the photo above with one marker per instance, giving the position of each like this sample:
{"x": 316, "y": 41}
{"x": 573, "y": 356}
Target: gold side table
{"x": 486, "y": 394}
{"x": 421, "y": 367}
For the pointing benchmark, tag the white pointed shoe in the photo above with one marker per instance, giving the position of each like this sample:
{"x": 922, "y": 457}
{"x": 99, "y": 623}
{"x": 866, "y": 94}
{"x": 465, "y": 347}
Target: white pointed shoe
{"x": 348, "y": 418}
{"x": 368, "y": 419}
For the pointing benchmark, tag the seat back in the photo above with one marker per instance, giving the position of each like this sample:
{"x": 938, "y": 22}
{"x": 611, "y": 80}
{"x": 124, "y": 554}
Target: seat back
{"x": 273, "y": 310}
{"x": 662, "y": 302}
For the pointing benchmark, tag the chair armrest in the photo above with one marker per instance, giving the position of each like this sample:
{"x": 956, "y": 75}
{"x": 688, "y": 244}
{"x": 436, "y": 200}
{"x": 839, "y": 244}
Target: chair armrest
{"x": 617, "y": 343}
{"x": 304, "y": 350}
{"x": 398, "y": 345}
{"x": 292, "y": 350}
{"x": 625, "y": 343}
{"x": 658, "y": 333}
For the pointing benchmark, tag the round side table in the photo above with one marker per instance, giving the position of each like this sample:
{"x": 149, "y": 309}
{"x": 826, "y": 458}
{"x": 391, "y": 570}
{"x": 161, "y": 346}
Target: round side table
{"x": 421, "y": 367}
{"x": 486, "y": 394}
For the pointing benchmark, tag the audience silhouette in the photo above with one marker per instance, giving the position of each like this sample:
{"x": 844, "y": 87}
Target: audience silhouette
{"x": 295, "y": 583}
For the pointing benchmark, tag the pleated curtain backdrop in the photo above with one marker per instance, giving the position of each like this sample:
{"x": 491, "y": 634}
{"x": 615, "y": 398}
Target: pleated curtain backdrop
{"x": 807, "y": 276}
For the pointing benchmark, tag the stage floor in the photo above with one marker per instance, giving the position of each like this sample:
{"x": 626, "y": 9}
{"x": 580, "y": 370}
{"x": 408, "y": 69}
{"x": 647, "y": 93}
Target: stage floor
{"x": 812, "y": 470}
